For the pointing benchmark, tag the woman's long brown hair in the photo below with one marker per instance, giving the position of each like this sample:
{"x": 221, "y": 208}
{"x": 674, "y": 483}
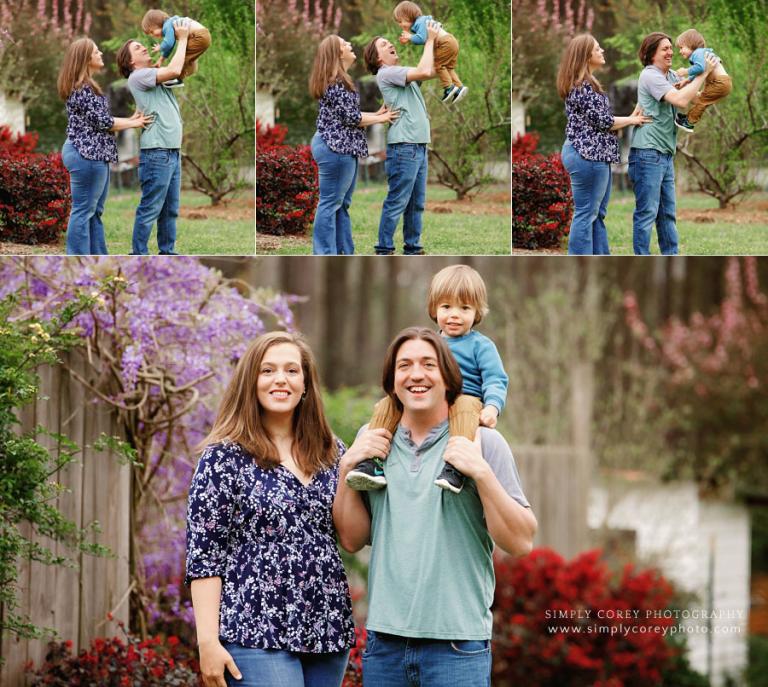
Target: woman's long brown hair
{"x": 75, "y": 71}
{"x": 574, "y": 65}
{"x": 328, "y": 68}
{"x": 239, "y": 418}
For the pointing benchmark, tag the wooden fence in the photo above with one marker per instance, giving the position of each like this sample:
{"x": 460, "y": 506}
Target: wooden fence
{"x": 75, "y": 601}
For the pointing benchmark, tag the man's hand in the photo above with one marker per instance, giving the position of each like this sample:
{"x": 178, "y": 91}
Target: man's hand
{"x": 181, "y": 28}
{"x": 488, "y": 416}
{"x": 712, "y": 62}
{"x": 466, "y": 456}
{"x": 433, "y": 30}
{"x": 373, "y": 443}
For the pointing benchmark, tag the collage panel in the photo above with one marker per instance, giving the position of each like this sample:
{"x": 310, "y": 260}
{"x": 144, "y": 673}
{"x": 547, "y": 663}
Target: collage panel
{"x": 126, "y": 128}
{"x": 618, "y": 464}
{"x": 639, "y": 129}
{"x": 383, "y": 128}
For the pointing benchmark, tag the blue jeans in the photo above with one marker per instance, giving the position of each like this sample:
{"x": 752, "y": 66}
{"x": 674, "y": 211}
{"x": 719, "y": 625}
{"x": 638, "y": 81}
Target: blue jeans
{"x": 160, "y": 179}
{"x": 653, "y": 177}
{"x": 406, "y": 169}
{"x": 332, "y": 230}
{"x": 591, "y": 189}
{"x": 89, "y": 186}
{"x": 275, "y": 668}
{"x": 391, "y": 661}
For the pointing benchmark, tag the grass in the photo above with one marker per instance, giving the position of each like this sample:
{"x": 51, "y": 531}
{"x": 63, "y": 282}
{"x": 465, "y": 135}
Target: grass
{"x": 465, "y": 228}
{"x": 740, "y": 232}
{"x": 200, "y": 228}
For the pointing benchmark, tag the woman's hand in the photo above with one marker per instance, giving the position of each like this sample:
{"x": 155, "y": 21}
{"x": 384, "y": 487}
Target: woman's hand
{"x": 214, "y": 660}
{"x": 637, "y": 118}
{"x": 387, "y": 116}
{"x": 140, "y": 120}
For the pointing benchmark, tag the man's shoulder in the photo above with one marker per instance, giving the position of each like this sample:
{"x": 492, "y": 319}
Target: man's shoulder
{"x": 143, "y": 79}
{"x": 493, "y": 444}
{"x": 392, "y": 75}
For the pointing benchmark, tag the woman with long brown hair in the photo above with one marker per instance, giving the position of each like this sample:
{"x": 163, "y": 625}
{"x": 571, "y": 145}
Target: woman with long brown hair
{"x": 338, "y": 142}
{"x": 90, "y": 145}
{"x": 590, "y": 144}
{"x": 269, "y": 590}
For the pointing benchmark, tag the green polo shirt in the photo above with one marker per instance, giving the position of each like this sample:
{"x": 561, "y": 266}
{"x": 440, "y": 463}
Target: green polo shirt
{"x": 412, "y": 126}
{"x": 431, "y": 568}
{"x": 661, "y": 133}
{"x": 153, "y": 98}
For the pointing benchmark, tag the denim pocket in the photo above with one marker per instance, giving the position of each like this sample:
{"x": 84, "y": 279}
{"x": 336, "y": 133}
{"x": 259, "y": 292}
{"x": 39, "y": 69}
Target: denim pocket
{"x": 370, "y": 643}
{"x": 648, "y": 155}
{"x": 470, "y": 647}
{"x": 406, "y": 151}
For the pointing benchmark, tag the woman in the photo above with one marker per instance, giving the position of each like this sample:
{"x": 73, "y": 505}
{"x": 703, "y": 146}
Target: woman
{"x": 269, "y": 591}
{"x": 90, "y": 145}
{"x": 338, "y": 142}
{"x": 591, "y": 144}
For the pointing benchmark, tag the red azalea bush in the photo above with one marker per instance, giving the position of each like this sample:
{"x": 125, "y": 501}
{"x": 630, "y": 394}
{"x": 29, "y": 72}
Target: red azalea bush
{"x": 286, "y": 184}
{"x": 34, "y": 191}
{"x": 354, "y": 675}
{"x": 112, "y": 662}
{"x": 542, "y": 205}
{"x": 560, "y": 623}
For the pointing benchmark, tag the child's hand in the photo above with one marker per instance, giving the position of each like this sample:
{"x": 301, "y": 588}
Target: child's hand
{"x": 405, "y": 37}
{"x": 488, "y": 416}
{"x": 156, "y": 47}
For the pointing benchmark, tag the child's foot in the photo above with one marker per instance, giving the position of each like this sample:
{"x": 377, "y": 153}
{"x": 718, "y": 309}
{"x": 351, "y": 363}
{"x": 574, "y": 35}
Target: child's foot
{"x": 681, "y": 121}
{"x": 449, "y": 93}
{"x": 366, "y": 476}
{"x": 450, "y": 478}
{"x": 174, "y": 83}
{"x": 460, "y": 92}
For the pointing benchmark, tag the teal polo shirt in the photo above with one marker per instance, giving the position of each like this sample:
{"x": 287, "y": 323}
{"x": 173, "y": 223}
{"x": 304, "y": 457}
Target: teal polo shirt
{"x": 153, "y": 98}
{"x": 412, "y": 126}
{"x": 661, "y": 133}
{"x": 431, "y": 568}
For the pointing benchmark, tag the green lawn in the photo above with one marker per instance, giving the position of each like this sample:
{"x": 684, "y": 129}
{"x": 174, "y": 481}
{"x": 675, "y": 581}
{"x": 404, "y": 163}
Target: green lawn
{"x": 743, "y": 231}
{"x": 200, "y": 229}
{"x": 469, "y": 228}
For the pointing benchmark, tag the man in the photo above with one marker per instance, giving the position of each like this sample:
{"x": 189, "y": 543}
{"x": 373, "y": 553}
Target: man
{"x": 407, "y": 139}
{"x": 652, "y": 155}
{"x": 160, "y": 143}
{"x": 431, "y": 580}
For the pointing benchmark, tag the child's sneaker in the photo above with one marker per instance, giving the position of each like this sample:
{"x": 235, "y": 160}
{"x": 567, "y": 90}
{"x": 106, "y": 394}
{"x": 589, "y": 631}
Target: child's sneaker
{"x": 450, "y": 478}
{"x": 173, "y": 83}
{"x": 448, "y": 94}
{"x": 681, "y": 121}
{"x": 366, "y": 476}
{"x": 461, "y": 91}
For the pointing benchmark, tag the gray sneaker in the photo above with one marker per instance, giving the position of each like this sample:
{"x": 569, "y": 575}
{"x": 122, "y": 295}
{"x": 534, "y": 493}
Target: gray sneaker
{"x": 459, "y": 93}
{"x": 367, "y": 475}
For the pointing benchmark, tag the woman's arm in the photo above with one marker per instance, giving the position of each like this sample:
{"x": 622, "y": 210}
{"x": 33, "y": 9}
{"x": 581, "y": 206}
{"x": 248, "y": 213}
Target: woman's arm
{"x": 383, "y": 116}
{"x": 214, "y": 658}
{"x": 136, "y": 120}
{"x": 637, "y": 118}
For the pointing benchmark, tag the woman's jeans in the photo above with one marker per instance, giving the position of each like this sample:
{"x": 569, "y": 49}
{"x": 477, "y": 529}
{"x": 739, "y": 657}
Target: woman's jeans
{"x": 392, "y": 661}
{"x": 652, "y": 174}
{"x": 276, "y": 668}
{"x": 591, "y": 189}
{"x": 89, "y": 185}
{"x": 332, "y": 230}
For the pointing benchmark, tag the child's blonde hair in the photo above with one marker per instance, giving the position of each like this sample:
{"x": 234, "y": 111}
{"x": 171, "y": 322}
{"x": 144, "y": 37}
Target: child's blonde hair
{"x": 407, "y": 10}
{"x": 691, "y": 39}
{"x": 458, "y": 283}
{"x": 153, "y": 19}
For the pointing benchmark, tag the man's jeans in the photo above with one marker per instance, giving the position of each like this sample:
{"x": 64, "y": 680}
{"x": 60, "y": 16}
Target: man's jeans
{"x": 391, "y": 661}
{"x": 277, "y": 668}
{"x": 89, "y": 185}
{"x": 591, "y": 190}
{"x": 653, "y": 177}
{"x": 332, "y": 229}
{"x": 160, "y": 179}
{"x": 406, "y": 169}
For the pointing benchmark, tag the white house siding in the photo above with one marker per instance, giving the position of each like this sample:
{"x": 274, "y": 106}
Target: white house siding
{"x": 674, "y": 530}
{"x": 265, "y": 107}
{"x": 12, "y": 113}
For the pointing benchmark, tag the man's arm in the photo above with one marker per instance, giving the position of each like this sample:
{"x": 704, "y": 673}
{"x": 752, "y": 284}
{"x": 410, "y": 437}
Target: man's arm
{"x": 682, "y": 98}
{"x": 173, "y": 70}
{"x": 511, "y": 525}
{"x": 425, "y": 69}
{"x": 350, "y": 516}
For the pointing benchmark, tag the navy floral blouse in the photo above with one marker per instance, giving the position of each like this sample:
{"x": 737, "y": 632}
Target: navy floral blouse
{"x": 590, "y": 119}
{"x": 272, "y": 541}
{"x": 89, "y": 123}
{"x": 338, "y": 121}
